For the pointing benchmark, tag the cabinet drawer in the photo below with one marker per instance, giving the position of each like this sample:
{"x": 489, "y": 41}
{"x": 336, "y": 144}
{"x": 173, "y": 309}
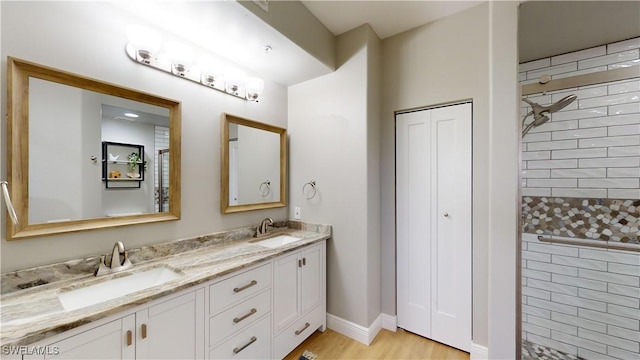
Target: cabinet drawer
{"x": 253, "y": 342}
{"x": 238, "y": 288}
{"x": 295, "y": 334}
{"x": 239, "y": 316}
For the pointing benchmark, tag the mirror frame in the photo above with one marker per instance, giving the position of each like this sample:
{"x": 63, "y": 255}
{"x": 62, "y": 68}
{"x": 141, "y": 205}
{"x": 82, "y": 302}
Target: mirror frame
{"x": 227, "y": 119}
{"x": 18, "y": 74}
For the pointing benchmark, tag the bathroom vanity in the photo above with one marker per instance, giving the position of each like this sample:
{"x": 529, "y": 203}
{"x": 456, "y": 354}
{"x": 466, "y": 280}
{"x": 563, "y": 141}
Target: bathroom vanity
{"x": 228, "y": 297}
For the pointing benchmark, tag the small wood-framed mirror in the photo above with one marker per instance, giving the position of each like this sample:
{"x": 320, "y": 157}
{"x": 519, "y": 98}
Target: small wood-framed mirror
{"x": 77, "y": 162}
{"x": 253, "y": 165}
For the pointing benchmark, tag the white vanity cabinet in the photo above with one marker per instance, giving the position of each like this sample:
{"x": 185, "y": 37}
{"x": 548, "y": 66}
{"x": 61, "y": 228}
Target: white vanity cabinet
{"x": 170, "y": 328}
{"x": 299, "y": 301}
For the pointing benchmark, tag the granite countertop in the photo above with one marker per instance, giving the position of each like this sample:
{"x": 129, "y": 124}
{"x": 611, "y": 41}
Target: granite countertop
{"x": 30, "y": 310}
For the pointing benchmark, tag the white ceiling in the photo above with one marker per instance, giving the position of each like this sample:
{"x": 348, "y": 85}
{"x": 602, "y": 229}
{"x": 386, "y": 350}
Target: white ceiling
{"x": 387, "y": 18}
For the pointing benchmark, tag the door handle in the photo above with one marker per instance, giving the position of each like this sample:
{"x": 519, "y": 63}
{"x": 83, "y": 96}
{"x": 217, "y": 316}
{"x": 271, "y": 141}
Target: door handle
{"x": 143, "y": 329}
{"x": 446, "y": 215}
{"x": 251, "y": 341}
{"x": 129, "y": 338}
{"x": 252, "y": 283}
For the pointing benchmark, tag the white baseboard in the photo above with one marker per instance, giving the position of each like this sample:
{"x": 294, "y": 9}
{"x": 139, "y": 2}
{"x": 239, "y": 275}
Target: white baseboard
{"x": 353, "y": 330}
{"x": 389, "y": 322}
{"x": 479, "y": 352}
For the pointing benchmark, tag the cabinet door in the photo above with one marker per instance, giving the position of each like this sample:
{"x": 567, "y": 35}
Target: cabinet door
{"x": 113, "y": 340}
{"x": 311, "y": 290}
{"x": 173, "y": 329}
{"x": 286, "y": 279}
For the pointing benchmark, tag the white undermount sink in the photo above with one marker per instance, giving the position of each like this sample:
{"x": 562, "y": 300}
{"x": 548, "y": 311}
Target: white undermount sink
{"x": 115, "y": 288}
{"x": 278, "y": 241}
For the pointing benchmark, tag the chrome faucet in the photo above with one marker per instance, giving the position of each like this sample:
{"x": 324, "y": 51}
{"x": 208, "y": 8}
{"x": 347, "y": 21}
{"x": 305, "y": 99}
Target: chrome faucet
{"x": 117, "y": 263}
{"x": 264, "y": 227}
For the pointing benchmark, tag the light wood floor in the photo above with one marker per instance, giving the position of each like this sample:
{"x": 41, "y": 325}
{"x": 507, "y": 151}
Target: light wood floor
{"x": 387, "y": 345}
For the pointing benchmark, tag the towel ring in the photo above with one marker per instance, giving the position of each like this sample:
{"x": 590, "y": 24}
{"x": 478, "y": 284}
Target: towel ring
{"x": 265, "y": 188}
{"x": 311, "y": 193}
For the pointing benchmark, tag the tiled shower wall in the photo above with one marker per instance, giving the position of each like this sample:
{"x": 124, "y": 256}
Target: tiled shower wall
{"x": 581, "y": 178}
{"x": 161, "y": 142}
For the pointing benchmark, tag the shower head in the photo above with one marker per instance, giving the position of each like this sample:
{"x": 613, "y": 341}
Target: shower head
{"x": 562, "y": 103}
{"x": 539, "y": 111}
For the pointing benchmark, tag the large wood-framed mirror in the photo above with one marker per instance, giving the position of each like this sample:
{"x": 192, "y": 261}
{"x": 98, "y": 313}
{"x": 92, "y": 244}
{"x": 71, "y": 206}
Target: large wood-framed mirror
{"x": 253, "y": 165}
{"x": 85, "y": 154}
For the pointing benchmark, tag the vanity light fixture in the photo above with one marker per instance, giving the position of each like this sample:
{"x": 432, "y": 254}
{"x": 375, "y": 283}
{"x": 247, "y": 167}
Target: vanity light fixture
{"x": 131, "y": 115}
{"x": 144, "y": 48}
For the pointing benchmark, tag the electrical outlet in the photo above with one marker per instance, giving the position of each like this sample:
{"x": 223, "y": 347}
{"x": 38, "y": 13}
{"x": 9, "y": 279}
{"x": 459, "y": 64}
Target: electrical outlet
{"x": 297, "y": 212}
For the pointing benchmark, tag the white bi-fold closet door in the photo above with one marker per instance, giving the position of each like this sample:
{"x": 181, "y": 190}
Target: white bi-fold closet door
{"x": 433, "y": 231}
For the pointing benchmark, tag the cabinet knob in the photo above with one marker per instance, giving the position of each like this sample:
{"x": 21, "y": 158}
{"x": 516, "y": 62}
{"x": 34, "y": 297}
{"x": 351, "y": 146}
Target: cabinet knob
{"x": 446, "y": 215}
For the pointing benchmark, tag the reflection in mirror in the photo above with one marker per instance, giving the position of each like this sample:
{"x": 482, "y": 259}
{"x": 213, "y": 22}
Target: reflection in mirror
{"x": 253, "y": 165}
{"x": 84, "y": 154}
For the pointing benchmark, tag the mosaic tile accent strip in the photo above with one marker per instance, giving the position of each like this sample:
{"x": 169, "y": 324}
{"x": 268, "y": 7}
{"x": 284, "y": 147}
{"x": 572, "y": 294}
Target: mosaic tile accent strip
{"x": 531, "y": 351}
{"x": 597, "y": 219}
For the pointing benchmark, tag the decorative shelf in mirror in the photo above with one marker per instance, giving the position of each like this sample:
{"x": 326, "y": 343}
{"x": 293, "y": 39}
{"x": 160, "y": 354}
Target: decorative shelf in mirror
{"x": 122, "y": 164}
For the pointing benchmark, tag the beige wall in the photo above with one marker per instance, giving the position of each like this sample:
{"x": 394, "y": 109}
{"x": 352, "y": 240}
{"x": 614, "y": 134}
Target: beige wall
{"x": 446, "y": 61}
{"x": 88, "y": 38}
{"x": 329, "y": 123}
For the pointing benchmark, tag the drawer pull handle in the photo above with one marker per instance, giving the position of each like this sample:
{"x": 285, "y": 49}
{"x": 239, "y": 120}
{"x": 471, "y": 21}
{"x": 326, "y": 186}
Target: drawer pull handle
{"x": 299, "y": 263}
{"x": 129, "y": 338}
{"x": 238, "y": 319}
{"x": 144, "y": 331}
{"x": 252, "y": 283}
{"x": 304, "y": 261}
{"x": 306, "y": 325}
{"x": 237, "y": 350}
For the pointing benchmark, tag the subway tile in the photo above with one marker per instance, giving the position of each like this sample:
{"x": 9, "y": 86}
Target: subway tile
{"x": 553, "y": 183}
{"x": 535, "y": 137}
{"x": 581, "y": 193}
{"x": 630, "y": 140}
{"x": 623, "y": 311}
{"x": 592, "y": 355}
{"x": 536, "y": 274}
{"x": 632, "y": 108}
{"x": 579, "y": 282}
{"x": 579, "y": 55}
{"x": 619, "y": 183}
{"x": 536, "y": 155}
{"x": 560, "y": 69}
{"x": 615, "y": 99}
{"x": 579, "y": 341}
{"x": 579, "y": 134}
{"x": 631, "y": 291}
{"x": 624, "y": 64}
{"x": 621, "y": 354}
{"x": 608, "y": 162}
{"x": 587, "y": 113}
{"x": 609, "y": 277}
{"x": 608, "y": 59}
{"x": 615, "y": 341}
{"x": 620, "y": 151}
{"x": 554, "y": 306}
{"x": 614, "y": 120}
{"x": 624, "y": 86}
{"x": 609, "y": 298}
{"x": 536, "y": 64}
{"x": 578, "y": 262}
{"x": 623, "y": 45}
{"x": 580, "y": 302}
{"x": 536, "y": 293}
{"x": 610, "y": 319}
{"x": 540, "y": 312}
{"x": 553, "y": 145}
{"x": 536, "y": 192}
{"x": 554, "y": 249}
{"x": 611, "y": 256}
{"x": 558, "y": 269}
{"x": 579, "y": 173}
{"x": 553, "y": 287}
{"x": 534, "y": 329}
{"x": 537, "y": 256}
{"x": 624, "y": 130}
{"x": 536, "y": 174}
{"x": 633, "y": 270}
{"x": 580, "y": 72}
{"x": 557, "y": 345}
{"x": 553, "y": 325}
{"x": 623, "y": 194}
{"x": 553, "y": 164}
{"x": 556, "y": 126}
{"x": 579, "y": 153}
{"x": 522, "y": 76}
{"x": 579, "y": 322}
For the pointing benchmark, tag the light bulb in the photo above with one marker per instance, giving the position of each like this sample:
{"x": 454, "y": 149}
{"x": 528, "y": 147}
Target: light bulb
{"x": 180, "y": 56}
{"x": 254, "y": 88}
{"x": 145, "y": 41}
{"x": 234, "y": 80}
{"x": 210, "y": 70}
